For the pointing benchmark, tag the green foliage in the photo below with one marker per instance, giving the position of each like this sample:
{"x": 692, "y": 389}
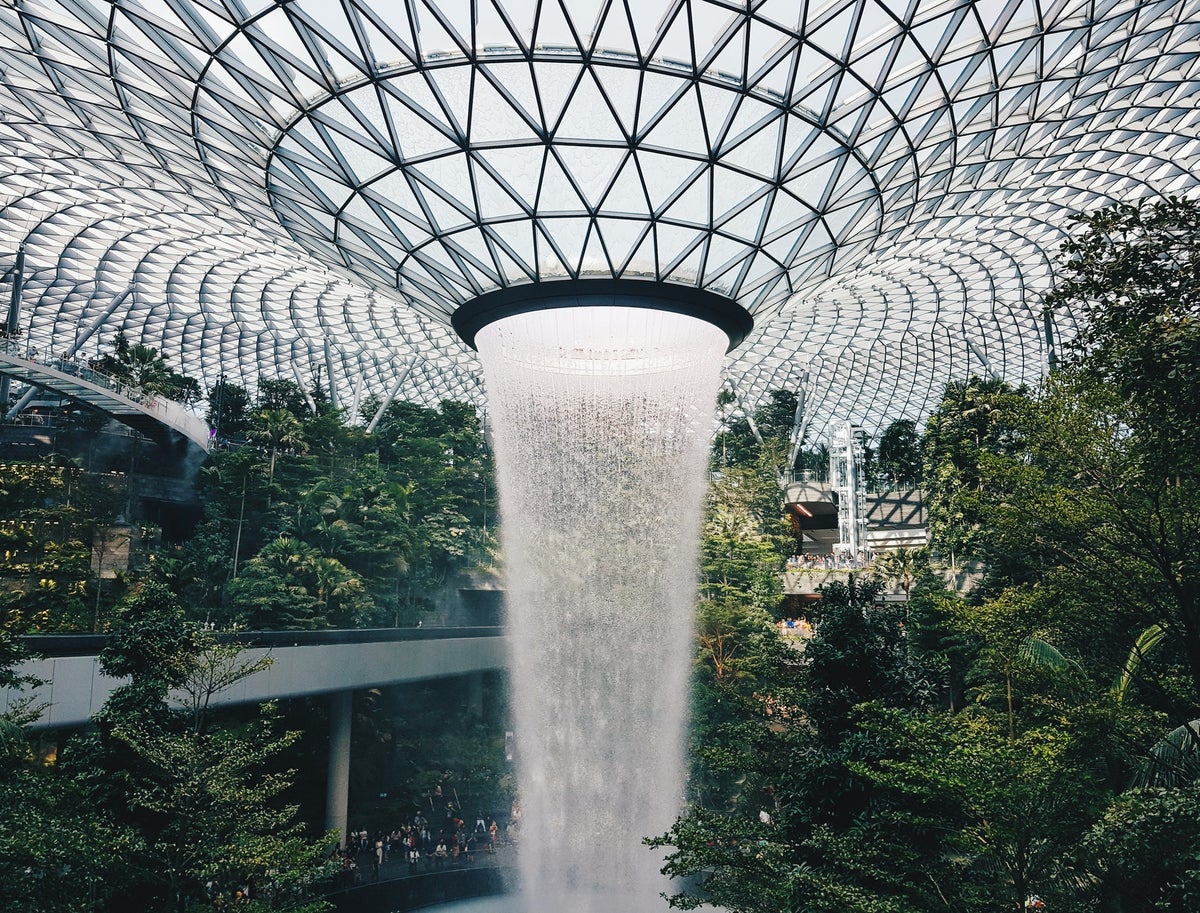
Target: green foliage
{"x": 1131, "y": 271}
{"x": 55, "y": 855}
{"x": 142, "y": 366}
{"x": 900, "y": 453}
{"x": 281, "y": 393}
{"x": 971, "y": 448}
{"x": 55, "y": 519}
{"x": 858, "y": 653}
{"x": 1008, "y": 813}
{"x": 228, "y": 409}
{"x": 1146, "y": 850}
{"x": 198, "y": 800}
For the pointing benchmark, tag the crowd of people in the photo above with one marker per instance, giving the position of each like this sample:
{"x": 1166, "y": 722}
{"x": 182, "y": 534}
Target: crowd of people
{"x": 840, "y": 560}
{"x": 420, "y": 845}
{"x": 795, "y": 627}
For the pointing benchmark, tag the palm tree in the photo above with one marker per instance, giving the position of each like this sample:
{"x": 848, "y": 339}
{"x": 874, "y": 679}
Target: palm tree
{"x": 232, "y": 474}
{"x": 902, "y": 566}
{"x": 277, "y": 430}
{"x": 338, "y": 589}
{"x": 288, "y": 557}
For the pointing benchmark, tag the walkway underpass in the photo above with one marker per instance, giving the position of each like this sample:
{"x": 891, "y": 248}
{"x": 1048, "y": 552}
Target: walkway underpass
{"x": 304, "y": 664}
{"x": 158, "y": 418}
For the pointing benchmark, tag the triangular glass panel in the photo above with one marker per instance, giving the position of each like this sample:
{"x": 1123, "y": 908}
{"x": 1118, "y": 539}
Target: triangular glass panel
{"x": 512, "y": 269}
{"x": 364, "y": 164}
{"x": 433, "y": 38}
{"x": 389, "y": 41}
{"x": 557, "y": 194}
{"x": 553, "y": 27}
{"x": 517, "y": 239}
{"x": 615, "y": 33}
{"x": 417, "y": 137}
{"x": 909, "y": 58}
{"x": 665, "y": 174}
{"x": 833, "y": 34}
{"x": 454, "y": 86}
{"x": 628, "y": 193}
{"x": 777, "y": 79}
{"x": 559, "y": 240}
{"x": 515, "y": 80}
{"x": 412, "y": 91}
{"x": 620, "y": 83}
{"x": 728, "y": 57}
{"x": 393, "y": 192}
{"x": 592, "y": 167}
{"x": 758, "y": 153}
{"x": 497, "y": 27}
{"x": 554, "y": 84}
{"x": 519, "y": 167}
{"x": 594, "y": 260}
{"x": 333, "y": 193}
{"x": 730, "y": 190}
{"x": 674, "y": 243}
{"x": 694, "y": 205}
{"x": 724, "y": 254}
{"x": 767, "y": 42}
{"x": 585, "y": 17}
{"x": 646, "y": 16}
{"x": 688, "y": 269}
{"x": 475, "y": 254}
{"x": 719, "y": 107}
{"x": 493, "y": 200}
{"x": 447, "y": 215}
{"x": 680, "y": 128}
{"x": 456, "y": 18}
{"x": 658, "y": 90}
{"x": 746, "y": 223}
{"x": 621, "y": 238}
{"x": 334, "y": 59}
{"x": 493, "y": 118}
{"x": 813, "y": 98}
{"x": 673, "y": 41}
{"x": 643, "y": 262}
{"x": 587, "y": 115}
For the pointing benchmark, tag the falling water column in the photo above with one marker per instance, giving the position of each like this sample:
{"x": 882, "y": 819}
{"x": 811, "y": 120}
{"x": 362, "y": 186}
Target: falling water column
{"x": 601, "y": 423}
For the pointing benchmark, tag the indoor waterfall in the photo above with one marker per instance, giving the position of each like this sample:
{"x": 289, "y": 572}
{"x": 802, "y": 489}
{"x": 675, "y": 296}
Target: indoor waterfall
{"x": 601, "y": 420}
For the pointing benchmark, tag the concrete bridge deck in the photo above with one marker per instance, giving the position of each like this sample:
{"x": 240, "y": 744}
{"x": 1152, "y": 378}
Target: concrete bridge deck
{"x": 305, "y": 663}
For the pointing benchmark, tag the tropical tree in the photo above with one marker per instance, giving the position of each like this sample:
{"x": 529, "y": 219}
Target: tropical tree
{"x": 1129, "y": 401}
{"x": 283, "y": 393}
{"x": 142, "y": 366}
{"x": 280, "y": 432}
{"x": 900, "y": 452}
{"x": 902, "y": 566}
{"x": 970, "y": 446}
{"x": 1131, "y": 272}
{"x": 228, "y": 409}
{"x": 200, "y": 799}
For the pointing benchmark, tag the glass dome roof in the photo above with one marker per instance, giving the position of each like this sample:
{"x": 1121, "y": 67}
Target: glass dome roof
{"x": 313, "y": 187}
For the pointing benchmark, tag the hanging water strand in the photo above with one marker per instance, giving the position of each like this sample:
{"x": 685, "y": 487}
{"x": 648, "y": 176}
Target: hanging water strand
{"x": 601, "y": 423}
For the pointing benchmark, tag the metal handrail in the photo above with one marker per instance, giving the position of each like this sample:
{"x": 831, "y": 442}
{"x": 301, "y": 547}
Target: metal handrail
{"x": 168, "y": 410}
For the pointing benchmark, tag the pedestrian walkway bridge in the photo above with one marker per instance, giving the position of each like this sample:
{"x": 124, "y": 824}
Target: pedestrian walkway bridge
{"x": 304, "y": 663}
{"x": 154, "y": 416}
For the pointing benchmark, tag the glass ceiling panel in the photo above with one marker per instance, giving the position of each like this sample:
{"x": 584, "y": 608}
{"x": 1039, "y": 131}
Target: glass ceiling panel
{"x": 886, "y": 193}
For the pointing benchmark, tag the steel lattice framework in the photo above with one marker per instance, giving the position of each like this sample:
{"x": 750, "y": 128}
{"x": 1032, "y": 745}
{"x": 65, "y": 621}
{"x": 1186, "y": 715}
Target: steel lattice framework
{"x": 307, "y": 187}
